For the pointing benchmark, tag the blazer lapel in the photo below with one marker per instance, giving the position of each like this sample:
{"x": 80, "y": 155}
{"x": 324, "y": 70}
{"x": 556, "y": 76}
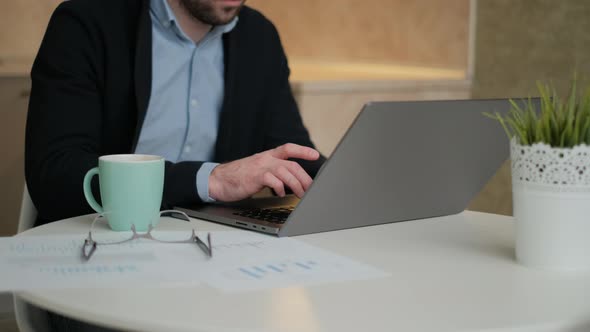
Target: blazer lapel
{"x": 224, "y": 136}
{"x": 143, "y": 67}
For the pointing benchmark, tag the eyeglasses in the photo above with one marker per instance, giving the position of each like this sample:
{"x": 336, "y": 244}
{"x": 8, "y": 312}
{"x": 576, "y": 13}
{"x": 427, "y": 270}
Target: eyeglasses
{"x": 90, "y": 244}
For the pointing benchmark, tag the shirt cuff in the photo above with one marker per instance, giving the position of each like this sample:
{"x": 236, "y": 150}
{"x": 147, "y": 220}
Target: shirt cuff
{"x": 203, "y": 181}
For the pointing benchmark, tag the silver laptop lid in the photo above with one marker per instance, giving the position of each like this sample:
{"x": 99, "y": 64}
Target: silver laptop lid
{"x": 402, "y": 161}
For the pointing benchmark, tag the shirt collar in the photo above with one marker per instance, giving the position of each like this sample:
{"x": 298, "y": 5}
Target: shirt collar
{"x": 229, "y": 26}
{"x": 166, "y": 16}
{"x": 162, "y": 11}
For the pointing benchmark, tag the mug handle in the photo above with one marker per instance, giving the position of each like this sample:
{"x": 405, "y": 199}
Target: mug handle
{"x": 88, "y": 190}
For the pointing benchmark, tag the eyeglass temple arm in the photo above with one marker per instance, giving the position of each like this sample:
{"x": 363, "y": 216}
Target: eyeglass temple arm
{"x": 88, "y": 243}
{"x": 206, "y": 248}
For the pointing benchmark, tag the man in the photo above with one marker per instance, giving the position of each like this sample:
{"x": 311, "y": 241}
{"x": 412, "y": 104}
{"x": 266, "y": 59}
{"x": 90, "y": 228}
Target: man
{"x": 199, "y": 82}
{"x": 194, "y": 81}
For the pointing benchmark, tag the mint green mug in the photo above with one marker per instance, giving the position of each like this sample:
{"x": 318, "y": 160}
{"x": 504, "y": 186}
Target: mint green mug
{"x": 131, "y": 187}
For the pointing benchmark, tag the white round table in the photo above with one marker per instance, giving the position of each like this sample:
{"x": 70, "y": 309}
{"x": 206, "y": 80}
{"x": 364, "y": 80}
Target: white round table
{"x": 454, "y": 273}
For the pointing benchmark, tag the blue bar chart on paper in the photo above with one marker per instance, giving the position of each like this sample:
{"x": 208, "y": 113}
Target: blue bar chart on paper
{"x": 260, "y": 272}
{"x": 266, "y": 262}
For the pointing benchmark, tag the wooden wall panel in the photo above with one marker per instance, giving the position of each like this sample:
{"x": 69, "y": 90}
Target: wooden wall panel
{"x": 328, "y": 111}
{"x": 13, "y": 113}
{"x": 22, "y": 24}
{"x": 420, "y": 32}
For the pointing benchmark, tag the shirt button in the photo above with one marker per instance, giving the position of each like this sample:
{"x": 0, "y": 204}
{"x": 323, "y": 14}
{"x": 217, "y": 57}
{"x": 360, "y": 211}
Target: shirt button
{"x": 187, "y": 149}
{"x": 166, "y": 24}
{"x": 194, "y": 103}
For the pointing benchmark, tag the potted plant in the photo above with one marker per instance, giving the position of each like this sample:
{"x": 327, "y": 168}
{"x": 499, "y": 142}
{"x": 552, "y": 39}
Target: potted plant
{"x": 550, "y": 159}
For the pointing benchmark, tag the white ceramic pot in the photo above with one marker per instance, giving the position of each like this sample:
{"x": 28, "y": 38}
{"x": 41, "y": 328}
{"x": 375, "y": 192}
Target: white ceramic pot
{"x": 551, "y": 196}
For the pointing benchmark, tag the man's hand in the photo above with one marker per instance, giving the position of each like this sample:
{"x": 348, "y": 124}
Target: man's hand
{"x": 243, "y": 178}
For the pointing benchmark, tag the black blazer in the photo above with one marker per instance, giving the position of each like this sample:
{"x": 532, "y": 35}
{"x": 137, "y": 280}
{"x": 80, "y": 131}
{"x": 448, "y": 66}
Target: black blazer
{"x": 91, "y": 83}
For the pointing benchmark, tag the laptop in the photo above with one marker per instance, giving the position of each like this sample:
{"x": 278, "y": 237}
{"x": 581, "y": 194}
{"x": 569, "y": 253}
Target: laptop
{"x": 398, "y": 161}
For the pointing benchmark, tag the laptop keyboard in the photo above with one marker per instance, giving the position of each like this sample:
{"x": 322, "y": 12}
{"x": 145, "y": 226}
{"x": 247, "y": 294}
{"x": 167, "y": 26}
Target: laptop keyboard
{"x": 273, "y": 215}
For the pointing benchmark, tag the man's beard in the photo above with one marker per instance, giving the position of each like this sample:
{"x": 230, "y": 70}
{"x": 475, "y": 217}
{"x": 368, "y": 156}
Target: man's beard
{"x": 203, "y": 11}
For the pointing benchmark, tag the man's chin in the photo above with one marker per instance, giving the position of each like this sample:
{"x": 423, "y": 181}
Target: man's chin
{"x": 227, "y": 14}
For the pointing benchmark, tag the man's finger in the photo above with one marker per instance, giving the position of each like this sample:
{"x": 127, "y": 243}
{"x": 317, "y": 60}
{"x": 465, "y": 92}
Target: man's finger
{"x": 271, "y": 181}
{"x": 290, "y": 180}
{"x": 299, "y": 173}
{"x": 291, "y": 150}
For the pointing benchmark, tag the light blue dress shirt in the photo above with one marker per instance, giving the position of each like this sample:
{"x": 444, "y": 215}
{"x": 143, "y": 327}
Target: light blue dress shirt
{"x": 182, "y": 118}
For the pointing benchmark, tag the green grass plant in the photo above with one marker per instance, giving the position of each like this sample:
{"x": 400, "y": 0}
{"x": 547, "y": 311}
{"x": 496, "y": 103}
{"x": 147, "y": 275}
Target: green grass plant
{"x": 561, "y": 122}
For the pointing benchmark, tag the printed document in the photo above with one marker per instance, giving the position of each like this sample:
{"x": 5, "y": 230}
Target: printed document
{"x": 242, "y": 261}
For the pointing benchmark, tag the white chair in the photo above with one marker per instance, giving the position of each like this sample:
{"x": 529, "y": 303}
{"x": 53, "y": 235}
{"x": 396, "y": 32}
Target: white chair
{"x": 28, "y": 317}
{"x": 28, "y": 212}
